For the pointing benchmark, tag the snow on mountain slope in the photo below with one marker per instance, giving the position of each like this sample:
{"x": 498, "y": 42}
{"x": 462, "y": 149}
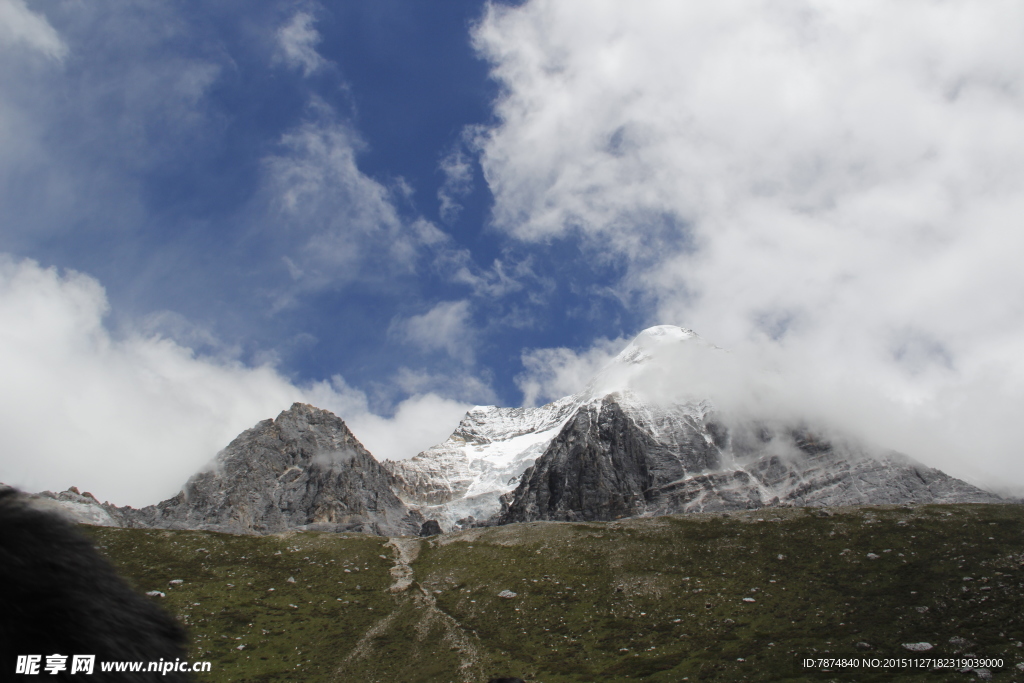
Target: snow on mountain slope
{"x": 482, "y": 459}
{"x": 491, "y": 448}
{"x": 644, "y": 437}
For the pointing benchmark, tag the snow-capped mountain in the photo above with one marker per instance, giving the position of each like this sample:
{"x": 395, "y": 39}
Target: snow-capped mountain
{"x": 483, "y": 459}
{"x": 462, "y": 480}
{"x": 644, "y": 438}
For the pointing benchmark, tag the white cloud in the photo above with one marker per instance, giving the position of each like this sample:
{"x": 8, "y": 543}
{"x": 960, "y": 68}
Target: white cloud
{"x": 335, "y": 223}
{"x": 556, "y": 372}
{"x": 840, "y": 181}
{"x": 502, "y": 278}
{"x": 418, "y": 422}
{"x": 458, "y": 182}
{"x": 20, "y": 25}
{"x": 465, "y": 386}
{"x": 131, "y": 418}
{"x": 421, "y": 420}
{"x": 297, "y": 41}
{"x": 445, "y": 327}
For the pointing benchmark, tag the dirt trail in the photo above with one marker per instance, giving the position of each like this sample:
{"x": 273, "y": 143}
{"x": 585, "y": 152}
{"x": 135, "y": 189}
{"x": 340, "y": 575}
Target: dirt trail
{"x": 456, "y": 637}
{"x": 406, "y": 551}
{"x": 428, "y": 617}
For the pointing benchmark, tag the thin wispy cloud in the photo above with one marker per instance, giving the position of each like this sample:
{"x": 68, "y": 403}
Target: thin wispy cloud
{"x": 447, "y": 327}
{"x": 458, "y": 181}
{"x": 297, "y": 41}
{"x": 21, "y": 27}
{"x": 336, "y": 223}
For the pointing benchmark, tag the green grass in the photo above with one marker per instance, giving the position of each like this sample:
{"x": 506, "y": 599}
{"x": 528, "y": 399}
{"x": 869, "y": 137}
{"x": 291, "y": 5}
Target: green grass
{"x": 647, "y": 599}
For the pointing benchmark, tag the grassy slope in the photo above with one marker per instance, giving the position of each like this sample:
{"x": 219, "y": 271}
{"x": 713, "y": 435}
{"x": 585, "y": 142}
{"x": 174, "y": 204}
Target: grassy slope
{"x": 652, "y": 599}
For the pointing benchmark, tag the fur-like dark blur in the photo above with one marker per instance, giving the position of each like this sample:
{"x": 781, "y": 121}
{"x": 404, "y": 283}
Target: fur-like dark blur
{"x": 58, "y": 595}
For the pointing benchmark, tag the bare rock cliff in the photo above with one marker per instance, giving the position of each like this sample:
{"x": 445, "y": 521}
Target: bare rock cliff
{"x": 614, "y": 459}
{"x": 302, "y": 470}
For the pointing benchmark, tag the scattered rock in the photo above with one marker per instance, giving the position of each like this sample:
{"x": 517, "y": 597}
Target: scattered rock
{"x": 290, "y": 579}
{"x": 155, "y": 594}
{"x": 749, "y": 600}
{"x": 176, "y": 582}
{"x": 862, "y": 645}
{"x": 507, "y": 594}
{"x": 918, "y": 647}
{"x": 922, "y": 609}
{"x": 959, "y": 644}
{"x": 872, "y": 556}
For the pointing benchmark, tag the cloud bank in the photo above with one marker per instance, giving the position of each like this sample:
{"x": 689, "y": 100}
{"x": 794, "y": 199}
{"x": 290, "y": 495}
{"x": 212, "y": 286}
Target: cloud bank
{"x": 131, "y": 416}
{"x": 838, "y": 185}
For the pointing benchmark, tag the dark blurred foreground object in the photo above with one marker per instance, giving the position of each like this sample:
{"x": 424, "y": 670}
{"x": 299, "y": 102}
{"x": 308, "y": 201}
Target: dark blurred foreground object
{"x": 58, "y": 595}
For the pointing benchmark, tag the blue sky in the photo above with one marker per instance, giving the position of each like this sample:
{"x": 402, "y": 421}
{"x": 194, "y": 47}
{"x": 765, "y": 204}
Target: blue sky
{"x": 397, "y": 210}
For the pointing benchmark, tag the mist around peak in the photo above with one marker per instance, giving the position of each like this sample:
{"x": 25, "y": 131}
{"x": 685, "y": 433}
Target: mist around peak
{"x": 789, "y": 386}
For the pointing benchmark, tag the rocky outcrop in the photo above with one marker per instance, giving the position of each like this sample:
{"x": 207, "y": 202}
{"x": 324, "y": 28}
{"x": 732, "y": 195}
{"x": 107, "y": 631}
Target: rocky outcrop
{"x": 302, "y": 470}
{"x": 618, "y": 459}
{"x": 464, "y": 477}
{"x": 642, "y": 438}
{"x": 596, "y": 468}
{"x": 430, "y": 528}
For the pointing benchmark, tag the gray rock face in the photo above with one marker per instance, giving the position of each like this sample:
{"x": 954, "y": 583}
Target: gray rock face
{"x": 302, "y": 470}
{"x": 596, "y": 469}
{"x": 482, "y": 460}
{"x": 616, "y": 459}
{"x": 430, "y": 528}
{"x": 637, "y": 441}
{"x": 81, "y": 508}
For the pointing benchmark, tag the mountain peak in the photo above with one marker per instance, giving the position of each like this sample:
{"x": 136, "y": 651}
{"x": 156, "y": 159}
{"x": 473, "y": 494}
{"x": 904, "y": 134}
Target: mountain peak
{"x": 645, "y": 344}
{"x": 663, "y": 358}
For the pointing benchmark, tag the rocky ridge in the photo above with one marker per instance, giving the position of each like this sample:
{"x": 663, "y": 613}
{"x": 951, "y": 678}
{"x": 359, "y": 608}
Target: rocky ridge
{"x": 606, "y": 465}
{"x": 301, "y": 470}
{"x": 641, "y": 439}
{"x": 461, "y": 480}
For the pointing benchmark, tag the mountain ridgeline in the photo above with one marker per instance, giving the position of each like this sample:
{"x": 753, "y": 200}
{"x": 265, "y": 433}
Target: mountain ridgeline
{"x": 609, "y": 452}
